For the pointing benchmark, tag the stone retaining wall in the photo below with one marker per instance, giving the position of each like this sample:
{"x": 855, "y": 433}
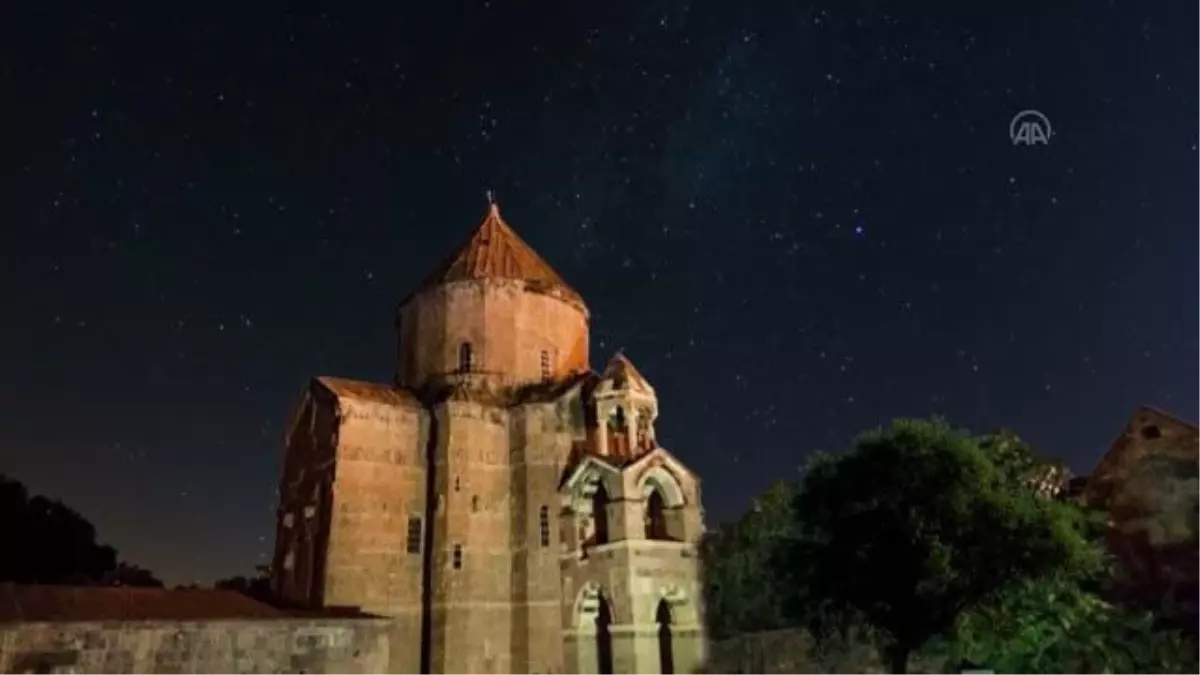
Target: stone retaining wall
{"x": 217, "y": 646}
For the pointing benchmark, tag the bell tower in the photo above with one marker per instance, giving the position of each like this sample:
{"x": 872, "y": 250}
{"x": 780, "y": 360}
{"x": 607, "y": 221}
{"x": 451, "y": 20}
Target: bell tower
{"x": 626, "y": 407}
{"x": 632, "y": 522}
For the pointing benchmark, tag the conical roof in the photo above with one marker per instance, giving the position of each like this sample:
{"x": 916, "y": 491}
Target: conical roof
{"x": 495, "y": 251}
{"x": 624, "y": 376}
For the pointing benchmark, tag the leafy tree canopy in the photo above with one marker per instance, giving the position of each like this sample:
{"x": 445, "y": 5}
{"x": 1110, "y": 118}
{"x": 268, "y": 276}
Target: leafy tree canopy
{"x": 1062, "y": 622}
{"x": 1054, "y": 624}
{"x": 50, "y": 543}
{"x": 742, "y": 595}
{"x": 913, "y": 528}
{"x": 127, "y": 574}
{"x": 1019, "y": 463}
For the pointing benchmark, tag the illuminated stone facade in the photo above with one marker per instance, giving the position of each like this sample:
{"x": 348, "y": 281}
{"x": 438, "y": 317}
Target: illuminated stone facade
{"x": 1148, "y": 482}
{"x": 506, "y": 507}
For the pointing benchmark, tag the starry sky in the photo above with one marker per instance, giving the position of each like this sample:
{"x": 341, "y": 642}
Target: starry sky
{"x": 799, "y": 220}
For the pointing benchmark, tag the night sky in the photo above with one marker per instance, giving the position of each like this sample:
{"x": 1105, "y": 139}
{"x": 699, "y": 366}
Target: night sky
{"x": 799, "y": 220}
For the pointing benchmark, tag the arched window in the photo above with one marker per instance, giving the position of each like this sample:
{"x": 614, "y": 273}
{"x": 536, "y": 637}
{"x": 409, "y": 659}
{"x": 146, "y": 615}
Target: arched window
{"x": 466, "y": 358}
{"x": 600, "y": 513}
{"x": 617, "y": 421}
{"x": 656, "y": 517}
{"x": 644, "y": 440}
{"x": 474, "y": 503}
{"x": 544, "y": 525}
{"x": 457, "y": 557}
{"x": 545, "y": 365}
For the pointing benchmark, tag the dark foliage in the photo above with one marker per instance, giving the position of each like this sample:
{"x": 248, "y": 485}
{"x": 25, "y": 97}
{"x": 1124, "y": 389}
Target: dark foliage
{"x": 257, "y": 586}
{"x": 913, "y": 528}
{"x": 740, "y": 593}
{"x": 927, "y": 541}
{"x": 127, "y": 574}
{"x": 47, "y": 542}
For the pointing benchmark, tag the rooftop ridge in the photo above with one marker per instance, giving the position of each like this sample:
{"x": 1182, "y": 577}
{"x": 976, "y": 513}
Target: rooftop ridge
{"x": 1168, "y": 415}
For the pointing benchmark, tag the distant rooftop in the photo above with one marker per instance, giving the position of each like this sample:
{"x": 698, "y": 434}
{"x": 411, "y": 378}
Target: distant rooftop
{"x": 376, "y": 392}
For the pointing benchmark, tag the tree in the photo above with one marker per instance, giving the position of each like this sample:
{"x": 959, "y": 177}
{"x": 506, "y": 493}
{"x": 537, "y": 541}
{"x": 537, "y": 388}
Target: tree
{"x": 51, "y": 543}
{"x": 1017, "y": 460}
{"x": 257, "y": 586}
{"x": 1065, "y": 622}
{"x": 127, "y": 574}
{"x": 913, "y": 528}
{"x": 742, "y": 594}
{"x": 1054, "y": 624}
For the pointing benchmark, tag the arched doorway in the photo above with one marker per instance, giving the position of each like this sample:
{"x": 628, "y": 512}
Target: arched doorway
{"x": 666, "y": 648}
{"x": 604, "y": 657}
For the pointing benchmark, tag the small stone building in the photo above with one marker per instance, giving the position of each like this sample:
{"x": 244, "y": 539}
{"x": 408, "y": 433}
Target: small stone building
{"x": 66, "y": 629}
{"x": 1149, "y": 482}
{"x": 505, "y": 506}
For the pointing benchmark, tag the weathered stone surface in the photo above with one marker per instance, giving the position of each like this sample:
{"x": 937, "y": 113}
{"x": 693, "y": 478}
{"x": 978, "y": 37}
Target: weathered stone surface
{"x": 262, "y": 646}
{"x": 509, "y": 330}
{"x": 1149, "y": 482}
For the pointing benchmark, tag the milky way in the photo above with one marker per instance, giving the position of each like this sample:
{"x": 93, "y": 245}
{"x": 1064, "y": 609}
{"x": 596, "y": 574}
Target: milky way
{"x": 798, "y": 219}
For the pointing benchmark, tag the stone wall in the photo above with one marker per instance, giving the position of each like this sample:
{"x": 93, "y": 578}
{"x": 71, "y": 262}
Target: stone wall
{"x": 541, "y": 435}
{"x": 471, "y": 572}
{"x": 351, "y": 526}
{"x": 508, "y": 326}
{"x": 300, "y": 518}
{"x": 379, "y": 510}
{"x": 793, "y": 651}
{"x": 1148, "y": 482}
{"x": 219, "y": 646}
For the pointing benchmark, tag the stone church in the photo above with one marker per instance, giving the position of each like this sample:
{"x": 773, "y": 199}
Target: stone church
{"x": 506, "y": 507}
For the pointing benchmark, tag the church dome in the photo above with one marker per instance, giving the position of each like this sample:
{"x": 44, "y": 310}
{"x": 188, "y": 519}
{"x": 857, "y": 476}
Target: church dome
{"x": 492, "y": 316}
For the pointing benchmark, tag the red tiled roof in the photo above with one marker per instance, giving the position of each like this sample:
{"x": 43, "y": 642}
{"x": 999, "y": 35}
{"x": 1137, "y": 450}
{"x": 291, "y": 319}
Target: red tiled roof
{"x": 376, "y": 392}
{"x": 20, "y": 602}
{"x": 495, "y": 251}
